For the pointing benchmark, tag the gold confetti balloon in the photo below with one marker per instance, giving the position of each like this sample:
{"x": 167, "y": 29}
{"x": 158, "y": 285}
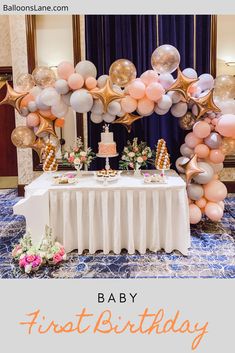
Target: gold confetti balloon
{"x": 165, "y": 59}
{"x": 43, "y": 76}
{"x": 25, "y": 82}
{"x": 187, "y": 121}
{"x": 122, "y": 72}
{"x": 22, "y": 137}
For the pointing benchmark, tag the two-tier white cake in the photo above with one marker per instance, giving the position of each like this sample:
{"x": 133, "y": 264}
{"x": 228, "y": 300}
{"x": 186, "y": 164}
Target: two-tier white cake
{"x": 107, "y": 146}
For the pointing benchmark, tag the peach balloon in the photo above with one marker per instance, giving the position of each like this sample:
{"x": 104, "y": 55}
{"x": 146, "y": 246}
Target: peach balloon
{"x": 75, "y": 81}
{"x": 215, "y": 191}
{"x": 33, "y": 120}
{"x": 145, "y": 106}
{"x": 154, "y": 91}
{"x": 90, "y": 82}
{"x": 192, "y": 140}
{"x": 201, "y": 203}
{"x": 136, "y": 89}
{"x": 149, "y": 76}
{"x": 213, "y": 211}
{"x": 226, "y": 125}
{"x": 189, "y": 201}
{"x": 128, "y": 104}
{"x": 216, "y": 156}
{"x": 202, "y": 150}
{"x": 24, "y": 103}
{"x": 201, "y": 129}
{"x": 45, "y": 113}
{"x": 65, "y": 69}
{"x": 195, "y": 214}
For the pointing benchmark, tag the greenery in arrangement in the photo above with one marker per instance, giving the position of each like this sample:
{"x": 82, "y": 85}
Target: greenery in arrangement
{"x": 135, "y": 155}
{"x": 78, "y": 155}
{"x": 30, "y": 258}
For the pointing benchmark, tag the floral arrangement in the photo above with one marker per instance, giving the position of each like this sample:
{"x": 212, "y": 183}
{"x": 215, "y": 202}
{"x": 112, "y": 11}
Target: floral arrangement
{"x": 135, "y": 156}
{"x": 31, "y": 258}
{"x": 78, "y": 155}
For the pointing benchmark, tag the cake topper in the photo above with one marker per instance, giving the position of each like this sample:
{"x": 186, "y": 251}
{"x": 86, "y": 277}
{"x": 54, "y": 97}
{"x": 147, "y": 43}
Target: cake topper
{"x": 106, "y": 128}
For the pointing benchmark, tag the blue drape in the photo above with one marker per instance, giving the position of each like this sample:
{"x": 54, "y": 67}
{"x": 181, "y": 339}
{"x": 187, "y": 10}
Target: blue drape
{"x": 110, "y": 37}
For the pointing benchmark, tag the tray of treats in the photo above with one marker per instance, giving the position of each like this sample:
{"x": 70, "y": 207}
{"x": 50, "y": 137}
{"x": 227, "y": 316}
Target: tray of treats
{"x": 154, "y": 178}
{"x": 107, "y": 175}
{"x": 65, "y": 179}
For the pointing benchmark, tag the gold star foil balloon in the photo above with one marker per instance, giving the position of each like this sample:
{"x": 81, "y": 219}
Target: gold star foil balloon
{"x": 13, "y": 98}
{"x": 39, "y": 147}
{"x": 106, "y": 94}
{"x": 182, "y": 84}
{"x": 127, "y": 120}
{"x": 191, "y": 168}
{"x": 46, "y": 127}
{"x": 205, "y": 104}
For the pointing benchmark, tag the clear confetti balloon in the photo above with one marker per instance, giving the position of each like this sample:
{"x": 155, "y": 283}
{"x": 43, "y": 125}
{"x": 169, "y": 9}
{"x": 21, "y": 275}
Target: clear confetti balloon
{"x": 165, "y": 59}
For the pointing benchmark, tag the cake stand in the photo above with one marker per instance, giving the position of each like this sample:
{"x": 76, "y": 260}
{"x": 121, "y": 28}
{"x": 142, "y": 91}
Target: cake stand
{"x": 107, "y": 165}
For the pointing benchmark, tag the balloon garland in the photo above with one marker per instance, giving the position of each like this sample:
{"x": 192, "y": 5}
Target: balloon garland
{"x": 204, "y": 106}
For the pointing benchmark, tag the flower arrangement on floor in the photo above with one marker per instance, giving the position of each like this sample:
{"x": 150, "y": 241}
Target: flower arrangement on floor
{"x": 79, "y": 156}
{"x": 135, "y": 155}
{"x": 31, "y": 258}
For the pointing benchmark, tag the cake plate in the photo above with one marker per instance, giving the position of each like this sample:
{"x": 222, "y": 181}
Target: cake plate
{"x": 107, "y": 165}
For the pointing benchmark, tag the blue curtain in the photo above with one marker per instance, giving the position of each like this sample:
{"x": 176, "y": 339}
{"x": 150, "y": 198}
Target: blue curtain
{"x": 110, "y": 37}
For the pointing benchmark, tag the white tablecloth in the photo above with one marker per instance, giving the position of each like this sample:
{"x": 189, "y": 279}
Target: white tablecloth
{"x": 125, "y": 214}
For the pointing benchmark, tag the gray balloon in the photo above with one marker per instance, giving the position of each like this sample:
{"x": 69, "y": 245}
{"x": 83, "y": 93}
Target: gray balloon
{"x": 213, "y": 141}
{"x": 206, "y": 176}
{"x": 179, "y": 161}
{"x": 186, "y": 151}
{"x": 195, "y": 191}
{"x": 32, "y": 106}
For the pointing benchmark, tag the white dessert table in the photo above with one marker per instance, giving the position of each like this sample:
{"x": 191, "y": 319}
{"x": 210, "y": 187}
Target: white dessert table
{"x": 125, "y": 214}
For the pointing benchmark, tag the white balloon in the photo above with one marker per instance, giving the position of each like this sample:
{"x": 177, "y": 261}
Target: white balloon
{"x": 179, "y": 109}
{"x": 66, "y": 98}
{"x": 32, "y": 106}
{"x": 102, "y": 81}
{"x": 60, "y": 109}
{"x": 114, "y": 108}
{"x": 195, "y": 191}
{"x": 117, "y": 89}
{"x": 81, "y": 101}
{"x": 62, "y": 86}
{"x": 86, "y": 68}
{"x": 166, "y": 80}
{"x": 179, "y": 161}
{"x": 95, "y": 118}
{"x": 189, "y": 72}
{"x": 165, "y": 102}
{"x": 97, "y": 107}
{"x": 35, "y": 91}
{"x": 108, "y": 118}
{"x": 195, "y": 110}
{"x": 49, "y": 96}
{"x": 160, "y": 111}
{"x": 206, "y": 81}
{"x": 40, "y": 104}
{"x": 186, "y": 151}
{"x": 175, "y": 96}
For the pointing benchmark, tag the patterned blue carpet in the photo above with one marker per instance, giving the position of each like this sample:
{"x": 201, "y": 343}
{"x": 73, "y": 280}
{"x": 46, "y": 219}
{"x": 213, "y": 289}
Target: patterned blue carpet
{"x": 212, "y": 254}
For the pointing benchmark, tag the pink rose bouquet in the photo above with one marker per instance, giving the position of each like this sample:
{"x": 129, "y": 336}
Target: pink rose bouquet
{"x": 135, "y": 155}
{"x": 56, "y": 254}
{"x": 78, "y": 155}
{"x": 30, "y": 262}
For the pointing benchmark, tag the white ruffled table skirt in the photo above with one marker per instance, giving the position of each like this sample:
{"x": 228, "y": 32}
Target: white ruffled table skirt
{"x": 125, "y": 214}
{"x": 112, "y": 220}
